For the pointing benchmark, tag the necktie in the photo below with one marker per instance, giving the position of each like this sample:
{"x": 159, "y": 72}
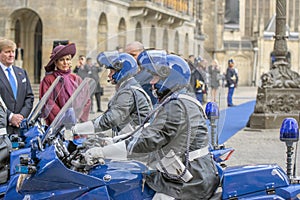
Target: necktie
{"x": 12, "y": 82}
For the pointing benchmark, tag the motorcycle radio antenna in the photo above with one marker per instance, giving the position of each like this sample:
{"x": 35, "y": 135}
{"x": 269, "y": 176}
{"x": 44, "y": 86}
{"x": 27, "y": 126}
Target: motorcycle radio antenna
{"x": 295, "y": 161}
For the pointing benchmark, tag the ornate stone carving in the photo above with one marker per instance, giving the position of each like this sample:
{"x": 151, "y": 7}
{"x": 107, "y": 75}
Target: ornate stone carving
{"x": 280, "y": 76}
{"x": 279, "y": 93}
{"x": 277, "y": 101}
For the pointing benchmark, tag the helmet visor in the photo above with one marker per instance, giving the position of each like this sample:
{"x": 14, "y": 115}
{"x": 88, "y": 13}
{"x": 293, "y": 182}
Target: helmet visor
{"x": 155, "y": 62}
{"x": 108, "y": 59}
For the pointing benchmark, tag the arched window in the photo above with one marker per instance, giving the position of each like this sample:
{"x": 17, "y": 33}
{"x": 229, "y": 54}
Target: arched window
{"x": 138, "y": 32}
{"x": 165, "y": 40}
{"x": 17, "y": 32}
{"x": 102, "y": 33}
{"x": 122, "y": 33}
{"x": 153, "y": 37}
{"x": 186, "y": 45}
{"x": 176, "y": 43}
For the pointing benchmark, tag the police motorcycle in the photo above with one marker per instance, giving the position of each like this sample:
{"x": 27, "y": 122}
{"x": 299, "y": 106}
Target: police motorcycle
{"x": 28, "y": 130}
{"x": 54, "y": 168}
{"x": 34, "y": 139}
{"x": 264, "y": 181}
{"x": 51, "y": 170}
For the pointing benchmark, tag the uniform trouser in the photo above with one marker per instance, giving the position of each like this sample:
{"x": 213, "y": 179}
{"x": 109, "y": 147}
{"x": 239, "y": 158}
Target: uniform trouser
{"x": 229, "y": 96}
{"x": 98, "y": 101}
{"x": 5, "y": 148}
{"x": 199, "y": 97}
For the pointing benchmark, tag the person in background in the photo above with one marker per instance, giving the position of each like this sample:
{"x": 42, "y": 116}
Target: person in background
{"x": 79, "y": 68}
{"x": 15, "y": 87}
{"x": 6, "y": 145}
{"x": 177, "y": 134}
{"x": 191, "y": 60}
{"x": 142, "y": 77}
{"x": 231, "y": 81}
{"x": 93, "y": 71}
{"x": 201, "y": 64}
{"x": 60, "y": 65}
{"x": 197, "y": 81}
{"x": 19, "y": 56}
{"x": 215, "y": 77}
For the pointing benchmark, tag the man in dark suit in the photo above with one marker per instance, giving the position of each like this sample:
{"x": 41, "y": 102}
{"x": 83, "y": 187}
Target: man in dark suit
{"x": 15, "y": 87}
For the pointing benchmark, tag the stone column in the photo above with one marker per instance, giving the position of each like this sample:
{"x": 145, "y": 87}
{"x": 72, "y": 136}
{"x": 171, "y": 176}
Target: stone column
{"x": 278, "y": 97}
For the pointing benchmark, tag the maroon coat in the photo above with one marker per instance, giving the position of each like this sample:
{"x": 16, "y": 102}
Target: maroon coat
{"x": 61, "y": 94}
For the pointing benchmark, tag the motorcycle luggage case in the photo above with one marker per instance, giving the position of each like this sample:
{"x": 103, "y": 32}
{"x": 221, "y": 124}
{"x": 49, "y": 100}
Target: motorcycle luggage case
{"x": 244, "y": 180}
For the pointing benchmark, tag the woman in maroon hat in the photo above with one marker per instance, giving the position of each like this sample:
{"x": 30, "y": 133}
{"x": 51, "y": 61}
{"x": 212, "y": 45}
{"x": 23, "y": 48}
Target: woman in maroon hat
{"x": 60, "y": 65}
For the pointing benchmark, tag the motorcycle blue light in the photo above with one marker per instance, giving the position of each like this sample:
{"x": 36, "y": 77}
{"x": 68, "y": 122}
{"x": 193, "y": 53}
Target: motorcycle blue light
{"x": 212, "y": 110}
{"x": 289, "y": 130}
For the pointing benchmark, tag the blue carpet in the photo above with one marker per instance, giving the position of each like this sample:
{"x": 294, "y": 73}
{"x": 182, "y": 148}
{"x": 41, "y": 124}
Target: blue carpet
{"x": 233, "y": 119}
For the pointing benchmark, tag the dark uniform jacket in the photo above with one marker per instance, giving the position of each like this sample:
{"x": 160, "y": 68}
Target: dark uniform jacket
{"x": 169, "y": 130}
{"x": 128, "y": 105}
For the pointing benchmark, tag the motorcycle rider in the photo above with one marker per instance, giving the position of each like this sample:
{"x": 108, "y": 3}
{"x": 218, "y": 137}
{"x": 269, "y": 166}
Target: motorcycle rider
{"x": 130, "y": 104}
{"x": 176, "y": 138}
{"x": 5, "y": 144}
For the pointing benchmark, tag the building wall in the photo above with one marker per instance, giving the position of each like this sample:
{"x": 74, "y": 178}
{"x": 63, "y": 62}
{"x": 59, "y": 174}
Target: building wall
{"x": 78, "y": 22}
{"x": 254, "y": 16}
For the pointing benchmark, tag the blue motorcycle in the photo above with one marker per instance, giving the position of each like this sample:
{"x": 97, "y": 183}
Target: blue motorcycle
{"x": 54, "y": 168}
{"x": 28, "y": 130}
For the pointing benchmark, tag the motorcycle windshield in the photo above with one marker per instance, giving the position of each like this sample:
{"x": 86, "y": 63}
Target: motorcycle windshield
{"x": 72, "y": 112}
{"x": 44, "y": 106}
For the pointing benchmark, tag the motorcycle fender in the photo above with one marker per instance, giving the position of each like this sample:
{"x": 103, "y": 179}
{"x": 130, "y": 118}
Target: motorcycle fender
{"x": 290, "y": 192}
{"x": 241, "y": 180}
{"x": 97, "y": 193}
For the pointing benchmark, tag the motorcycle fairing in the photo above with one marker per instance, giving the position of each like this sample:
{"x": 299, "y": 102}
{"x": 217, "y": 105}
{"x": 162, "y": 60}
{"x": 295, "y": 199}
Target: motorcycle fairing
{"x": 126, "y": 179}
{"x": 289, "y": 192}
{"x": 11, "y": 192}
{"x": 97, "y": 193}
{"x": 28, "y": 130}
{"x": 54, "y": 180}
{"x": 252, "y": 179}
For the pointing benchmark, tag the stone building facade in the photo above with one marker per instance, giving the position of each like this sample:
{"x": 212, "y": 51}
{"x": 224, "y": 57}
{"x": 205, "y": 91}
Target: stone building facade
{"x": 216, "y": 29}
{"x": 248, "y": 38}
{"x": 95, "y": 26}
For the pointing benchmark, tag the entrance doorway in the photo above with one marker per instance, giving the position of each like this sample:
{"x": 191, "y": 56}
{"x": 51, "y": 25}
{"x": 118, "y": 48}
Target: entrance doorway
{"x": 26, "y": 29}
